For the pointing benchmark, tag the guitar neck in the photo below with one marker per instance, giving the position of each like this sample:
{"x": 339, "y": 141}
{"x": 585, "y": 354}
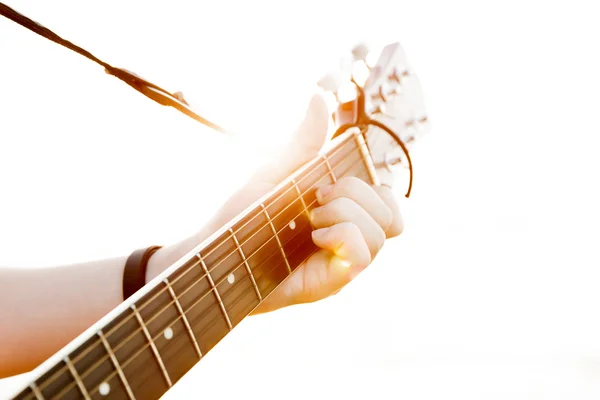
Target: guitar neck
{"x": 140, "y": 349}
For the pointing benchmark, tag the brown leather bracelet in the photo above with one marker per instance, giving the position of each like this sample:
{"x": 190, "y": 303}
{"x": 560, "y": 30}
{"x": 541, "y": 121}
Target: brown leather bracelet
{"x": 134, "y": 274}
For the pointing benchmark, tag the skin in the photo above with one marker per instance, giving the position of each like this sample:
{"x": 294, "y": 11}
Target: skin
{"x": 351, "y": 225}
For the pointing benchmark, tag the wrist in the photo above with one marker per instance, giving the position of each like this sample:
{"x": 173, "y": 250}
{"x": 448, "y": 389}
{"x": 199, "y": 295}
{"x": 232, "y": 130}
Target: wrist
{"x": 168, "y": 255}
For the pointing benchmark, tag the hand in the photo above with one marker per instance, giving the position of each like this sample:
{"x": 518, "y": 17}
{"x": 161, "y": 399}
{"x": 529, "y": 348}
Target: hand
{"x": 352, "y": 221}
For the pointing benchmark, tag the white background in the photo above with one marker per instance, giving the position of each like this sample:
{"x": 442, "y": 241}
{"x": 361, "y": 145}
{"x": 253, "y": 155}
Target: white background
{"x": 491, "y": 292}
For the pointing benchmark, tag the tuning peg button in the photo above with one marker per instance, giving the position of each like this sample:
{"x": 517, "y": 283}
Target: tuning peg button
{"x": 330, "y": 83}
{"x": 360, "y": 52}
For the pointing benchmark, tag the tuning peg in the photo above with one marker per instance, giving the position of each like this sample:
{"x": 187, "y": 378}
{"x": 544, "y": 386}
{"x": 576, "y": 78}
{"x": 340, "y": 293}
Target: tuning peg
{"x": 394, "y": 76}
{"x": 380, "y": 110}
{"x": 360, "y": 52}
{"x": 397, "y": 75}
{"x": 422, "y": 123}
{"x": 380, "y": 95}
{"x": 330, "y": 83}
{"x": 396, "y": 91}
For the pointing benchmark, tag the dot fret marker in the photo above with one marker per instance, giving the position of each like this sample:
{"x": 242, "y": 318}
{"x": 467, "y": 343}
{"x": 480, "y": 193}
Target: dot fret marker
{"x": 292, "y": 225}
{"x": 168, "y": 333}
{"x": 104, "y": 388}
{"x": 231, "y": 278}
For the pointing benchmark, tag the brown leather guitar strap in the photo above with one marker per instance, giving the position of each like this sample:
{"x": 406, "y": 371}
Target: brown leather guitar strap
{"x": 140, "y": 84}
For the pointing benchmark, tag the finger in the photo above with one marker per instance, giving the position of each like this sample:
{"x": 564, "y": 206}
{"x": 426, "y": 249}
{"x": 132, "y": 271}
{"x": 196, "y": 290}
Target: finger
{"x": 387, "y": 195}
{"x": 314, "y": 280}
{"x": 343, "y": 210}
{"x": 343, "y": 255}
{"x": 351, "y": 253}
{"x": 362, "y": 194}
{"x": 305, "y": 144}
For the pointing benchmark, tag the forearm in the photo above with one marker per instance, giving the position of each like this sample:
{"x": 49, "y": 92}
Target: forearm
{"x": 43, "y": 309}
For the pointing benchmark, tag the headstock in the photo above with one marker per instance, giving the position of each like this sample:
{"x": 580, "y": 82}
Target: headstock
{"x": 388, "y": 92}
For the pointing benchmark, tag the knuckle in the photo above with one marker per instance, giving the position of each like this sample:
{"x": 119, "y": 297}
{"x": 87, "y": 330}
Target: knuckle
{"x": 343, "y": 207}
{"x": 347, "y": 186}
{"x": 351, "y": 182}
{"x": 352, "y": 229}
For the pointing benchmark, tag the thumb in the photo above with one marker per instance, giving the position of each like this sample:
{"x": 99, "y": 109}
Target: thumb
{"x": 305, "y": 143}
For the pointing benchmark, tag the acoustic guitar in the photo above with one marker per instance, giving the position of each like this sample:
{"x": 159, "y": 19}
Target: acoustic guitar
{"x": 146, "y": 344}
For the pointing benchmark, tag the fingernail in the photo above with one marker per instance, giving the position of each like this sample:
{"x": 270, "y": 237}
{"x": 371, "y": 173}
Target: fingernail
{"x": 322, "y": 192}
{"x": 319, "y": 233}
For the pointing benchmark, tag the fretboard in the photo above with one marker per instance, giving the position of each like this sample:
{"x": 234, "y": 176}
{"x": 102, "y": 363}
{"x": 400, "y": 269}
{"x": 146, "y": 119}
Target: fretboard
{"x": 160, "y": 333}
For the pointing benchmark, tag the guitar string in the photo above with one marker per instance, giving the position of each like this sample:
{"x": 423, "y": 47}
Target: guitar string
{"x": 208, "y": 326}
{"x": 127, "y": 362}
{"x": 197, "y": 301}
{"x": 219, "y": 316}
{"x": 76, "y": 359}
{"x": 257, "y": 267}
{"x": 238, "y": 299}
{"x": 311, "y": 170}
{"x": 308, "y": 172}
{"x": 238, "y": 229}
{"x": 341, "y": 145}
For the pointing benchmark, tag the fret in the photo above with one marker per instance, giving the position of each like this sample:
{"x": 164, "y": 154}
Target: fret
{"x": 366, "y": 156}
{"x": 166, "y": 327}
{"x": 310, "y": 181}
{"x": 36, "y": 391}
{"x": 115, "y": 363}
{"x": 184, "y": 318}
{"x": 289, "y": 219}
{"x": 149, "y": 346}
{"x": 215, "y": 291}
{"x": 276, "y": 237}
{"x": 221, "y": 256}
{"x": 299, "y": 192}
{"x": 195, "y": 295}
{"x": 299, "y": 246}
{"x": 28, "y": 393}
{"x": 133, "y": 352}
{"x": 333, "y": 177}
{"x": 352, "y": 165}
{"x": 77, "y": 378}
{"x": 96, "y": 369}
{"x": 152, "y": 345}
{"x": 263, "y": 254}
{"x": 239, "y": 296}
{"x": 345, "y": 158}
{"x": 286, "y": 209}
{"x": 56, "y": 381}
{"x": 248, "y": 269}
